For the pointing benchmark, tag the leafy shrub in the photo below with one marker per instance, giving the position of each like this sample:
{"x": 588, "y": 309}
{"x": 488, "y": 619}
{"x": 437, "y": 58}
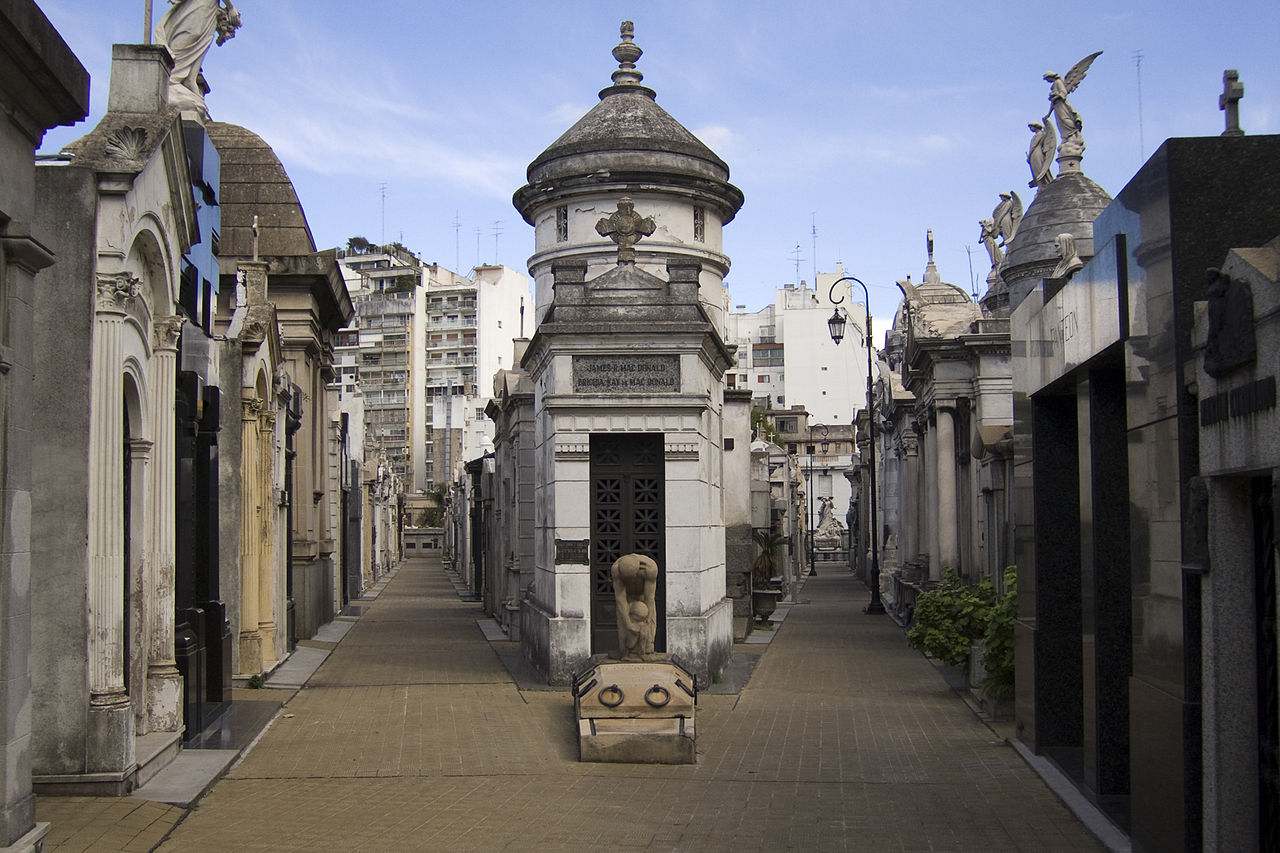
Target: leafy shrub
{"x": 997, "y": 641}
{"x": 949, "y": 619}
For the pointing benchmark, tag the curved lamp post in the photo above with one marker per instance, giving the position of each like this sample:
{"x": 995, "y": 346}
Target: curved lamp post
{"x": 836, "y": 327}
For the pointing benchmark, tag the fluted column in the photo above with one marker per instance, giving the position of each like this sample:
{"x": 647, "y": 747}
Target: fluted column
{"x": 266, "y": 551}
{"x": 106, "y": 493}
{"x": 164, "y": 684}
{"x": 948, "y": 549}
{"x": 251, "y": 512}
{"x": 909, "y": 497}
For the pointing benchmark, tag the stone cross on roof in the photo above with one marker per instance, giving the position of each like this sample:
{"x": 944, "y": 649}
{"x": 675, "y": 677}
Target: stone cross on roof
{"x": 1229, "y": 101}
{"x": 625, "y": 227}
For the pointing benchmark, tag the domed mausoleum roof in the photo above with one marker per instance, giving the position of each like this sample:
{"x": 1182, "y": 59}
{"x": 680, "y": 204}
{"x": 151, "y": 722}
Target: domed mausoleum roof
{"x": 1066, "y": 205}
{"x": 254, "y": 183}
{"x": 628, "y": 137}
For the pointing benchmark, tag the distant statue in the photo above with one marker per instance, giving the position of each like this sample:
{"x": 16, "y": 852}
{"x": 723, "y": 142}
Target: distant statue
{"x": 988, "y": 236}
{"x": 635, "y": 584}
{"x": 188, "y": 30}
{"x": 1064, "y": 115}
{"x": 825, "y": 512}
{"x": 1007, "y": 217}
{"x": 1069, "y": 259}
{"x": 1044, "y": 142}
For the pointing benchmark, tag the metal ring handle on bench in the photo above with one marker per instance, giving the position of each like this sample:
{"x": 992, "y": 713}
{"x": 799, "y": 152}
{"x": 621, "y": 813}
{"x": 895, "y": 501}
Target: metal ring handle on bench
{"x": 612, "y": 688}
{"x": 657, "y": 688}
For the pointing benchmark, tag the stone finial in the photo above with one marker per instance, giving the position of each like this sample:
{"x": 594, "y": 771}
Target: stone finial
{"x": 625, "y": 227}
{"x": 1229, "y": 101}
{"x": 627, "y": 52}
{"x": 931, "y": 275}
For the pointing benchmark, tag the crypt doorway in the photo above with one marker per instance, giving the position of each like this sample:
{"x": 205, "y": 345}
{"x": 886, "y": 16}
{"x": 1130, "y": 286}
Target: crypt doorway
{"x": 628, "y": 516}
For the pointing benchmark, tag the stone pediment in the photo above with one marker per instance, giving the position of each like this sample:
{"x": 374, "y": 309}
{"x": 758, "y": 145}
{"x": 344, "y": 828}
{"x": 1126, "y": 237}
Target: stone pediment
{"x": 124, "y": 142}
{"x": 625, "y": 280}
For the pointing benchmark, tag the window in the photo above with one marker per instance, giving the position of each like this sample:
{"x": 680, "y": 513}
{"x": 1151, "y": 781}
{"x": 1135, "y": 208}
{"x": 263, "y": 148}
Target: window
{"x": 762, "y": 379}
{"x": 791, "y": 447}
{"x": 700, "y": 224}
{"x": 562, "y": 224}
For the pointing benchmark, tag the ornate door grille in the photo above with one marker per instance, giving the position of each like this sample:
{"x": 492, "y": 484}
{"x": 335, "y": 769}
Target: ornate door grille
{"x": 628, "y": 511}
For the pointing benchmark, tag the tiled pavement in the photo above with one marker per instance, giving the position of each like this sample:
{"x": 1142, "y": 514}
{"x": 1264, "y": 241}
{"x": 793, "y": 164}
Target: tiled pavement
{"x": 413, "y": 736}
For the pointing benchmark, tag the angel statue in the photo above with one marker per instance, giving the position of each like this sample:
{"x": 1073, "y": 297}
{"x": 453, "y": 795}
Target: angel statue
{"x": 1064, "y": 115}
{"x": 1044, "y": 142}
{"x": 1007, "y": 216}
{"x": 988, "y": 237}
{"x": 188, "y": 30}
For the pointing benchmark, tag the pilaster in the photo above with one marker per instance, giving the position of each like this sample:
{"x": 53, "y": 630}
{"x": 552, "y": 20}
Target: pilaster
{"x": 948, "y": 548}
{"x": 164, "y": 684}
{"x": 251, "y": 530}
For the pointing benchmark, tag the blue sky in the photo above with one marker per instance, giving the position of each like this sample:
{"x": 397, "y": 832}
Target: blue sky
{"x": 869, "y": 121}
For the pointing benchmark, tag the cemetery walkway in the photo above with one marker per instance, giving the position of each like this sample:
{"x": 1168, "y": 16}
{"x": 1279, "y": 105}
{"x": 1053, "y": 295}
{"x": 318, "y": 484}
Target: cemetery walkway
{"x": 413, "y": 736}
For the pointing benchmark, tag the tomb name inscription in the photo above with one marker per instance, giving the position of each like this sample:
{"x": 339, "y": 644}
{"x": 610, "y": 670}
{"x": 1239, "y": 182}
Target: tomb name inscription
{"x": 626, "y": 374}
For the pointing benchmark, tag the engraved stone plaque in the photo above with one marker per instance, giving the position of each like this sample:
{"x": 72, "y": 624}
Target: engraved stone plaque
{"x": 626, "y": 374}
{"x": 576, "y": 551}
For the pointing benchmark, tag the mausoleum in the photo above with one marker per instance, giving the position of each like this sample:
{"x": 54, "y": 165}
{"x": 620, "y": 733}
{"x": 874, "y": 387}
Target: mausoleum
{"x": 626, "y": 369}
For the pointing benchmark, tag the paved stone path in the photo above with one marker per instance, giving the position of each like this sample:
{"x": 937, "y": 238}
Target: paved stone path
{"x": 412, "y": 736}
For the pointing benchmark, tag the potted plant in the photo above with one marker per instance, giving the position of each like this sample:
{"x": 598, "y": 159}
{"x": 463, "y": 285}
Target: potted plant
{"x": 764, "y": 591}
{"x": 948, "y": 620}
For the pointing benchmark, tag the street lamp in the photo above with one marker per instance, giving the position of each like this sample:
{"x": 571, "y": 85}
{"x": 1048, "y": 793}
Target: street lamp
{"x": 813, "y": 572}
{"x": 836, "y": 327}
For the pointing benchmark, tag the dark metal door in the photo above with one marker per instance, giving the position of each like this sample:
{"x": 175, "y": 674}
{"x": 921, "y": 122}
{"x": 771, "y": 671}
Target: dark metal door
{"x": 628, "y": 512}
{"x": 1264, "y": 550}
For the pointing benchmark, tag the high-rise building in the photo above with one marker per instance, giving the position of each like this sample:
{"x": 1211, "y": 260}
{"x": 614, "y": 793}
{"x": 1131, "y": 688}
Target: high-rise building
{"x": 422, "y": 354}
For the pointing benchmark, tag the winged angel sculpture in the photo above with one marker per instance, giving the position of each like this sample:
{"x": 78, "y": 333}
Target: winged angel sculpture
{"x": 1064, "y": 115}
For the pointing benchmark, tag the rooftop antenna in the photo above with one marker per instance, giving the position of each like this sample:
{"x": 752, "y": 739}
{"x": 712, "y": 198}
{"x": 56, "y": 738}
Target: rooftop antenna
{"x": 496, "y": 231}
{"x": 477, "y": 245}
{"x": 457, "y": 240}
{"x": 383, "y": 187}
{"x": 797, "y": 256}
{"x": 1142, "y": 145}
{"x": 813, "y": 217}
{"x": 973, "y": 282}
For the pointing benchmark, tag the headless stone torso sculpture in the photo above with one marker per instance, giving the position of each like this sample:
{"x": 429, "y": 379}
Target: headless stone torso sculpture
{"x": 635, "y": 584}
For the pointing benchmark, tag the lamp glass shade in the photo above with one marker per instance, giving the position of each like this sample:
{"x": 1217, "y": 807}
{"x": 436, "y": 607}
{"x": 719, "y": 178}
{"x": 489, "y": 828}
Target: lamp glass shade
{"x": 836, "y": 326}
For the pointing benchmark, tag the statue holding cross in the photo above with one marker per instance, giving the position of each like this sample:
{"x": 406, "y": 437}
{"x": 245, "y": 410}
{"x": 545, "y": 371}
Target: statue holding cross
{"x": 625, "y": 227}
{"x": 1229, "y": 101}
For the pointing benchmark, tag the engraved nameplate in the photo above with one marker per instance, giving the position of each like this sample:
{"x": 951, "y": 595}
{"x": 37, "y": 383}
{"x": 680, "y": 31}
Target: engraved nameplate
{"x": 626, "y": 374}
{"x": 575, "y": 551}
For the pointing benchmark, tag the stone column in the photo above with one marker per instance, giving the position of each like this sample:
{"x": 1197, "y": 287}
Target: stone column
{"x": 106, "y": 477}
{"x": 109, "y": 742}
{"x": 141, "y": 555}
{"x": 948, "y": 550}
{"x": 251, "y": 526}
{"x": 164, "y": 684}
{"x": 265, "y": 488}
{"x": 909, "y": 497}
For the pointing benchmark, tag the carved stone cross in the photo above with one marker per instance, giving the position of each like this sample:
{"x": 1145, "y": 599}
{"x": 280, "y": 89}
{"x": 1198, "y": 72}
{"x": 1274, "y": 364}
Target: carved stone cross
{"x": 625, "y": 227}
{"x": 1229, "y": 101}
